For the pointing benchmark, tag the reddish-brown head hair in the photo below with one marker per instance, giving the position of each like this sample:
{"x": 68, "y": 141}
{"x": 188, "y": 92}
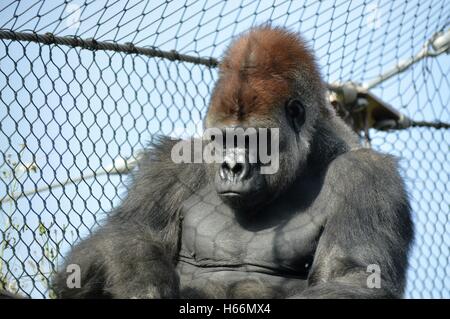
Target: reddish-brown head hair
{"x": 258, "y": 73}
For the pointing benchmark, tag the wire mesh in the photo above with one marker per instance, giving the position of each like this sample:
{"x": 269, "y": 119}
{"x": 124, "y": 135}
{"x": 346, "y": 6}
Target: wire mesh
{"x": 69, "y": 114}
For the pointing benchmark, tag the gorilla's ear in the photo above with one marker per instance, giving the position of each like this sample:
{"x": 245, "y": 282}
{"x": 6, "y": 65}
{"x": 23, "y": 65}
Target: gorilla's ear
{"x": 295, "y": 111}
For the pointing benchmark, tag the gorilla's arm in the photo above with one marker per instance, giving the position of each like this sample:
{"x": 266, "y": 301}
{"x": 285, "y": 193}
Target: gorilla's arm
{"x": 133, "y": 254}
{"x": 371, "y": 224}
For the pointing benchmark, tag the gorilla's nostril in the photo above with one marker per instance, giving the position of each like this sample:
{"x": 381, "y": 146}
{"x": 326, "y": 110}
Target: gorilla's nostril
{"x": 233, "y": 170}
{"x": 226, "y": 166}
{"x": 223, "y": 171}
{"x": 237, "y": 169}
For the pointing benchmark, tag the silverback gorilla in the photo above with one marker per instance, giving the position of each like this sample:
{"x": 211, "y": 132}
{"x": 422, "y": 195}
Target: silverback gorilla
{"x": 317, "y": 228}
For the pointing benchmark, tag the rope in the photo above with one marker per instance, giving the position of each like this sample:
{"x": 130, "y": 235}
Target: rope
{"x": 436, "y": 125}
{"x": 92, "y": 44}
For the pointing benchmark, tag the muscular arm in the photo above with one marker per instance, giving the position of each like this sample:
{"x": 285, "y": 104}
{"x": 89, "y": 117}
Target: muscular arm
{"x": 133, "y": 254}
{"x": 370, "y": 224}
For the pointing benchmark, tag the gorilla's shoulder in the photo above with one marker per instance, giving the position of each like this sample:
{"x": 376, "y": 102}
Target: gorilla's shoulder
{"x": 158, "y": 179}
{"x": 366, "y": 186}
{"x": 365, "y": 167}
{"x": 158, "y": 151}
{"x": 156, "y": 159}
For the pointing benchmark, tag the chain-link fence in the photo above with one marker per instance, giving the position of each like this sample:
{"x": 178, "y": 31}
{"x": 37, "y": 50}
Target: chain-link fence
{"x": 85, "y": 85}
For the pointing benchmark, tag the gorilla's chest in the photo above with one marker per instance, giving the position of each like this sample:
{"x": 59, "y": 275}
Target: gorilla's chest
{"x": 280, "y": 239}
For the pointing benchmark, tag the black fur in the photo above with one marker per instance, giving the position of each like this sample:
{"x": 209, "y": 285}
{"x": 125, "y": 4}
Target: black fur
{"x": 368, "y": 222}
{"x": 134, "y": 254}
{"x": 331, "y": 210}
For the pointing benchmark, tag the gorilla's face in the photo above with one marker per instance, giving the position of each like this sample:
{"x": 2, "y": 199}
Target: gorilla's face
{"x": 267, "y": 79}
{"x": 261, "y": 156}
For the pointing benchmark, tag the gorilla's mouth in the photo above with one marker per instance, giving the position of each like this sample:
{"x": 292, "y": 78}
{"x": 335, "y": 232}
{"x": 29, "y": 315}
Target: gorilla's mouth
{"x": 231, "y": 194}
{"x": 242, "y": 195}
{"x": 237, "y": 190}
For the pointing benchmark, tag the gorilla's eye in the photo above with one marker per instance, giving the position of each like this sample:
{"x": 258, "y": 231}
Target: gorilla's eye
{"x": 296, "y": 113}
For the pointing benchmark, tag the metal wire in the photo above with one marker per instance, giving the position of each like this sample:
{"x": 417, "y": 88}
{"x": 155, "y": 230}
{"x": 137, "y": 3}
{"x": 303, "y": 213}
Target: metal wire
{"x": 84, "y": 85}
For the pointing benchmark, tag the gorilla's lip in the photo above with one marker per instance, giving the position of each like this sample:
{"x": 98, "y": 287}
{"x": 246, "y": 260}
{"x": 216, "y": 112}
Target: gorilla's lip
{"x": 230, "y": 194}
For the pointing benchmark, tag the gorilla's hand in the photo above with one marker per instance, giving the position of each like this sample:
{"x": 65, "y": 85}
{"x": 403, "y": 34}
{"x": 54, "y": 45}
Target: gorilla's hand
{"x": 159, "y": 281}
{"x": 123, "y": 265}
{"x": 141, "y": 268}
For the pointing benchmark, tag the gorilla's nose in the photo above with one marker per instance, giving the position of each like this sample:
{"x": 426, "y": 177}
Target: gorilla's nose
{"x": 234, "y": 168}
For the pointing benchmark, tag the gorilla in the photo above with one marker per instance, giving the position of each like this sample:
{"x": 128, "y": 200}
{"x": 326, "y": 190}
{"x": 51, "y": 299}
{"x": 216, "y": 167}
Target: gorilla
{"x": 333, "y": 220}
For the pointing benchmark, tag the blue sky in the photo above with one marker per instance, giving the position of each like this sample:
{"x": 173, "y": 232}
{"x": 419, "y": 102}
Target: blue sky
{"x": 77, "y": 110}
